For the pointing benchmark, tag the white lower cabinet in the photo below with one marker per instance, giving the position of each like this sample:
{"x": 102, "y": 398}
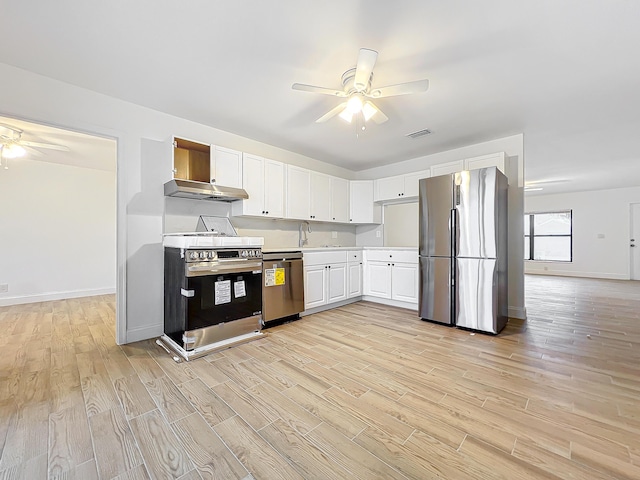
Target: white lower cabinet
{"x": 404, "y": 282}
{"x": 392, "y": 275}
{"x": 354, "y": 273}
{"x": 325, "y": 278}
{"x": 315, "y": 291}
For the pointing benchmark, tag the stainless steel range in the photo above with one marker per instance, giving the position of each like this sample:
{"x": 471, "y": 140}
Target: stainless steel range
{"x": 213, "y": 289}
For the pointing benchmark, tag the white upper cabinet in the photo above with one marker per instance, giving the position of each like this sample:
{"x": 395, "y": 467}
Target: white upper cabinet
{"x": 447, "y": 168}
{"x": 412, "y": 180}
{"x": 362, "y": 208}
{"x": 274, "y": 188}
{"x": 389, "y": 188}
{"x": 493, "y": 160}
{"x": 316, "y": 196}
{"x": 399, "y": 188}
{"x": 263, "y": 179}
{"x": 339, "y": 200}
{"x": 298, "y": 188}
{"x": 226, "y": 167}
{"x": 320, "y": 209}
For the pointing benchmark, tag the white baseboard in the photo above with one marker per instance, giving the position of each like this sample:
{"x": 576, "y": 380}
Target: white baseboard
{"x": 393, "y": 303}
{"x": 144, "y": 333}
{"x": 47, "y": 297}
{"x": 322, "y": 308}
{"x": 568, "y": 273}
{"x": 517, "y": 312}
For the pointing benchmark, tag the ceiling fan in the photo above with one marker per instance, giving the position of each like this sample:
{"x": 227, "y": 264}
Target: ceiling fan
{"x": 13, "y": 146}
{"x": 357, "y": 89}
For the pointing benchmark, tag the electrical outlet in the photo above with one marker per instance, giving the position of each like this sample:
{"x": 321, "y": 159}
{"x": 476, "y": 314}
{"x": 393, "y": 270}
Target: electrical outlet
{"x": 4, "y": 287}
{"x": 334, "y": 234}
{"x": 378, "y": 233}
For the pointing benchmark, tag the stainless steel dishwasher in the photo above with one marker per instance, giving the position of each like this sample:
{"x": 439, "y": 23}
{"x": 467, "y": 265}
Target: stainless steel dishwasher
{"x": 282, "y": 286}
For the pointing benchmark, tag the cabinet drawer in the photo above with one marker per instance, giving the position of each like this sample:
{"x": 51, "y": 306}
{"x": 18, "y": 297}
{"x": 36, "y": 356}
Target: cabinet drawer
{"x": 324, "y": 258}
{"x": 402, "y": 256}
{"x": 354, "y": 256}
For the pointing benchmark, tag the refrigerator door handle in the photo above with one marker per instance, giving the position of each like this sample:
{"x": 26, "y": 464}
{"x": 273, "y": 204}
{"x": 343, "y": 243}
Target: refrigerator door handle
{"x": 453, "y": 230}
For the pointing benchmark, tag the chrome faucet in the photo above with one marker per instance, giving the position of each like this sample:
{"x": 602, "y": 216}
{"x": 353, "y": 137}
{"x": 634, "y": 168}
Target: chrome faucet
{"x": 303, "y": 239}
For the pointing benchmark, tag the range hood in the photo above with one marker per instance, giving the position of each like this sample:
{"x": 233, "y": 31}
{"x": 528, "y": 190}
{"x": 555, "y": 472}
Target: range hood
{"x": 203, "y": 191}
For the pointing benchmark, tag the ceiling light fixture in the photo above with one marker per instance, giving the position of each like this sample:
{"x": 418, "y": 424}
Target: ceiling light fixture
{"x": 12, "y": 150}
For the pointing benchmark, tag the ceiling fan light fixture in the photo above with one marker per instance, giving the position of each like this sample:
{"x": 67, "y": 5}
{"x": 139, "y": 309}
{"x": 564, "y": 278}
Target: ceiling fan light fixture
{"x": 346, "y": 115}
{"x": 354, "y": 105}
{"x": 13, "y": 151}
{"x": 368, "y": 111}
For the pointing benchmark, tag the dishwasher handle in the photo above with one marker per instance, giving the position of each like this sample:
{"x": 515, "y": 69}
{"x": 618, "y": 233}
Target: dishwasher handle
{"x": 282, "y": 257}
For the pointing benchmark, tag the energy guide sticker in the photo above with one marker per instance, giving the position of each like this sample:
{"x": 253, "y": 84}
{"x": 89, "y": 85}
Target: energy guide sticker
{"x": 273, "y": 277}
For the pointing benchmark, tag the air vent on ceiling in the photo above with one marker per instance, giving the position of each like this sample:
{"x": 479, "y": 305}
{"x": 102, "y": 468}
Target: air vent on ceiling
{"x": 419, "y": 133}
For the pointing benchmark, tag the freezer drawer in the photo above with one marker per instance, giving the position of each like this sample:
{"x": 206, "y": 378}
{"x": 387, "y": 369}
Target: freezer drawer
{"x": 435, "y": 289}
{"x": 477, "y": 295}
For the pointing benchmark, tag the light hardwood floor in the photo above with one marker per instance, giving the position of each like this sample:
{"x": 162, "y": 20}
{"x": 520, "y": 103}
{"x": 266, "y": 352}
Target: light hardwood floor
{"x": 363, "y": 391}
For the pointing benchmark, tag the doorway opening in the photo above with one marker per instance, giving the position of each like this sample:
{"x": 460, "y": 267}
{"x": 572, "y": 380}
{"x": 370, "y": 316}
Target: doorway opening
{"x": 634, "y": 241}
{"x": 59, "y": 213}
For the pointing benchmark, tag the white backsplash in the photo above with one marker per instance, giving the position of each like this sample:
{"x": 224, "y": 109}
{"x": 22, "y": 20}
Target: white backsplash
{"x": 285, "y": 233}
{"x": 181, "y": 215}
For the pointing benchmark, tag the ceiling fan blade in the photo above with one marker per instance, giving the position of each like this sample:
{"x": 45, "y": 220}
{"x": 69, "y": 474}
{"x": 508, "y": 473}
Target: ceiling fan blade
{"x": 313, "y": 89}
{"x": 364, "y": 68}
{"x": 50, "y": 146}
{"x": 34, "y": 152}
{"x": 378, "y": 116}
{"x": 400, "y": 89}
{"x": 332, "y": 113}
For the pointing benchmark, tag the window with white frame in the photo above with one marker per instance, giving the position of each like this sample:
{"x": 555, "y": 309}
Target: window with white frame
{"x": 548, "y": 236}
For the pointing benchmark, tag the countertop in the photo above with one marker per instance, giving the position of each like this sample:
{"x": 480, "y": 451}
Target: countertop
{"x": 329, "y": 248}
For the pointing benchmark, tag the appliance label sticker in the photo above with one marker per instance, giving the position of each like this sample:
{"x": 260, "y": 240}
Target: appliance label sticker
{"x": 223, "y": 292}
{"x": 269, "y": 277}
{"x": 239, "y": 289}
{"x": 273, "y": 277}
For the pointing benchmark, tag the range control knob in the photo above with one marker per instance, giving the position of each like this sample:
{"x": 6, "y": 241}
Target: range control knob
{"x": 193, "y": 255}
{"x": 203, "y": 254}
{"x": 244, "y": 253}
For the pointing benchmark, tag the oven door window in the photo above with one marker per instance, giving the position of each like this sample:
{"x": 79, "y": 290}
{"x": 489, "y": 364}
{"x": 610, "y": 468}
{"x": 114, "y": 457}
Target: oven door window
{"x": 223, "y": 298}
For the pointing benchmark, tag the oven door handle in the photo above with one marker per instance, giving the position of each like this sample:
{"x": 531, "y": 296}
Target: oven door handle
{"x": 244, "y": 267}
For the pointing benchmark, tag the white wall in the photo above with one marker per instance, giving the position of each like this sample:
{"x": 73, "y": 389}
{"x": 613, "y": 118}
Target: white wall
{"x": 401, "y": 225}
{"x": 595, "y": 214}
{"x": 144, "y": 164}
{"x": 57, "y": 225}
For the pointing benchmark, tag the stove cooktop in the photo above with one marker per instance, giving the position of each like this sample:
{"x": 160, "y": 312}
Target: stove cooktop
{"x": 206, "y": 239}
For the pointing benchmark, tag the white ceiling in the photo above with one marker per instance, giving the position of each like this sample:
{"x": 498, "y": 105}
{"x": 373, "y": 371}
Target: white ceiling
{"x": 564, "y": 72}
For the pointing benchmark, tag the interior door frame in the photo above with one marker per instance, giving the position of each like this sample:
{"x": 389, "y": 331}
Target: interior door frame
{"x": 634, "y": 233}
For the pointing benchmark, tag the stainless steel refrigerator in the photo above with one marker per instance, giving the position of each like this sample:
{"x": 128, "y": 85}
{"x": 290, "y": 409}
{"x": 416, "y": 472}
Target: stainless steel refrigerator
{"x": 463, "y": 249}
